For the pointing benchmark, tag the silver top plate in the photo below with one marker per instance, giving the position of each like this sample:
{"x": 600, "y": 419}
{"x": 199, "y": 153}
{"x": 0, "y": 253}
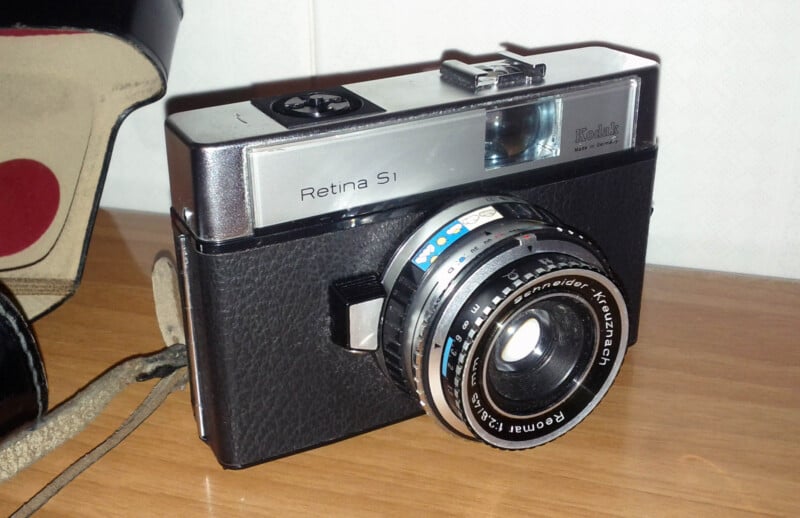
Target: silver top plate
{"x": 336, "y": 173}
{"x": 429, "y": 137}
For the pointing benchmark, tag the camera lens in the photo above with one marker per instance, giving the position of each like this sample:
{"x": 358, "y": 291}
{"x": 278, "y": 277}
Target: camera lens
{"x": 507, "y": 325}
{"x": 539, "y": 354}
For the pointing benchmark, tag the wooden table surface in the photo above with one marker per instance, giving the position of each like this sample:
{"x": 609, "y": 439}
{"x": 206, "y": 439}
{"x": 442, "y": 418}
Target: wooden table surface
{"x": 704, "y": 419}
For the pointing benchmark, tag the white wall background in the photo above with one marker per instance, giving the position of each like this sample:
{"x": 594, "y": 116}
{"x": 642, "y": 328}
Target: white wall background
{"x": 728, "y": 181}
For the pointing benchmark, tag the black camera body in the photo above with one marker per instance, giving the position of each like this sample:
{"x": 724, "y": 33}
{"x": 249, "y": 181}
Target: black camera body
{"x": 468, "y": 242}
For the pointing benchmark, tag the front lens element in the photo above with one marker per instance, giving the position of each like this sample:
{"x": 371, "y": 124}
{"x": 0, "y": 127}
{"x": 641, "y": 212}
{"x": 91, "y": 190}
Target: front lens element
{"x": 540, "y": 354}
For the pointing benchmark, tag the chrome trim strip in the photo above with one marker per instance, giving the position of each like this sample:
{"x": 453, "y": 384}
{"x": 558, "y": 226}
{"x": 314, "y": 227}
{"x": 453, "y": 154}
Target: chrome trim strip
{"x": 191, "y": 343}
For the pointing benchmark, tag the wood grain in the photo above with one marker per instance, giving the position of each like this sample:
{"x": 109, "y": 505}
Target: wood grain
{"x": 703, "y": 420}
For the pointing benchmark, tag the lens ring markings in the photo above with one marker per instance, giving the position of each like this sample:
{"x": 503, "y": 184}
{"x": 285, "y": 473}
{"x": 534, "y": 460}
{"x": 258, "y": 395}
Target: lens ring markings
{"x": 440, "y": 352}
{"x": 467, "y": 367}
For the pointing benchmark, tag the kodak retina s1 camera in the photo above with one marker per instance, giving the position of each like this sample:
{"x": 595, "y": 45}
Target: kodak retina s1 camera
{"x": 466, "y": 242}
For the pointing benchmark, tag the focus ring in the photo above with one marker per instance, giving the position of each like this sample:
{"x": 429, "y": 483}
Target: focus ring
{"x": 392, "y": 327}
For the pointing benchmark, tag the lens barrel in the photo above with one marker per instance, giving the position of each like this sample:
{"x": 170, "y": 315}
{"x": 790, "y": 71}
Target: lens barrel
{"x": 507, "y": 325}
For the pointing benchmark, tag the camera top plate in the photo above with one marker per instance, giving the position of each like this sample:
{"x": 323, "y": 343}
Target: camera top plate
{"x": 237, "y": 170}
{"x": 228, "y": 123}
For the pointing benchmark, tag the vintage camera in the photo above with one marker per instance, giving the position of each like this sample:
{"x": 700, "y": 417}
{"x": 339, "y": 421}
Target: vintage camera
{"x": 467, "y": 242}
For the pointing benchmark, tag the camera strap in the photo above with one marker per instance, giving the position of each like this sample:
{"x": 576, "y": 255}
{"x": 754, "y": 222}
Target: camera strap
{"x": 27, "y": 445}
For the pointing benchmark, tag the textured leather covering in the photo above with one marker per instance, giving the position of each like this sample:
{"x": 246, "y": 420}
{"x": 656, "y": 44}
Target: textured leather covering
{"x": 271, "y": 380}
{"x": 23, "y": 386}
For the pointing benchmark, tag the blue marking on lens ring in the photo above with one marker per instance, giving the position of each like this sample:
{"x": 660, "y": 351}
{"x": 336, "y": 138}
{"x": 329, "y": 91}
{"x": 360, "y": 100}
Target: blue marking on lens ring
{"x": 448, "y": 345}
{"x": 437, "y": 244}
{"x": 451, "y": 233}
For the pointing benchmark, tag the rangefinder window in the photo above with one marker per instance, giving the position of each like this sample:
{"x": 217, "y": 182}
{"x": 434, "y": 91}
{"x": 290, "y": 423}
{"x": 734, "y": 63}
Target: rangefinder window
{"x": 523, "y": 133}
